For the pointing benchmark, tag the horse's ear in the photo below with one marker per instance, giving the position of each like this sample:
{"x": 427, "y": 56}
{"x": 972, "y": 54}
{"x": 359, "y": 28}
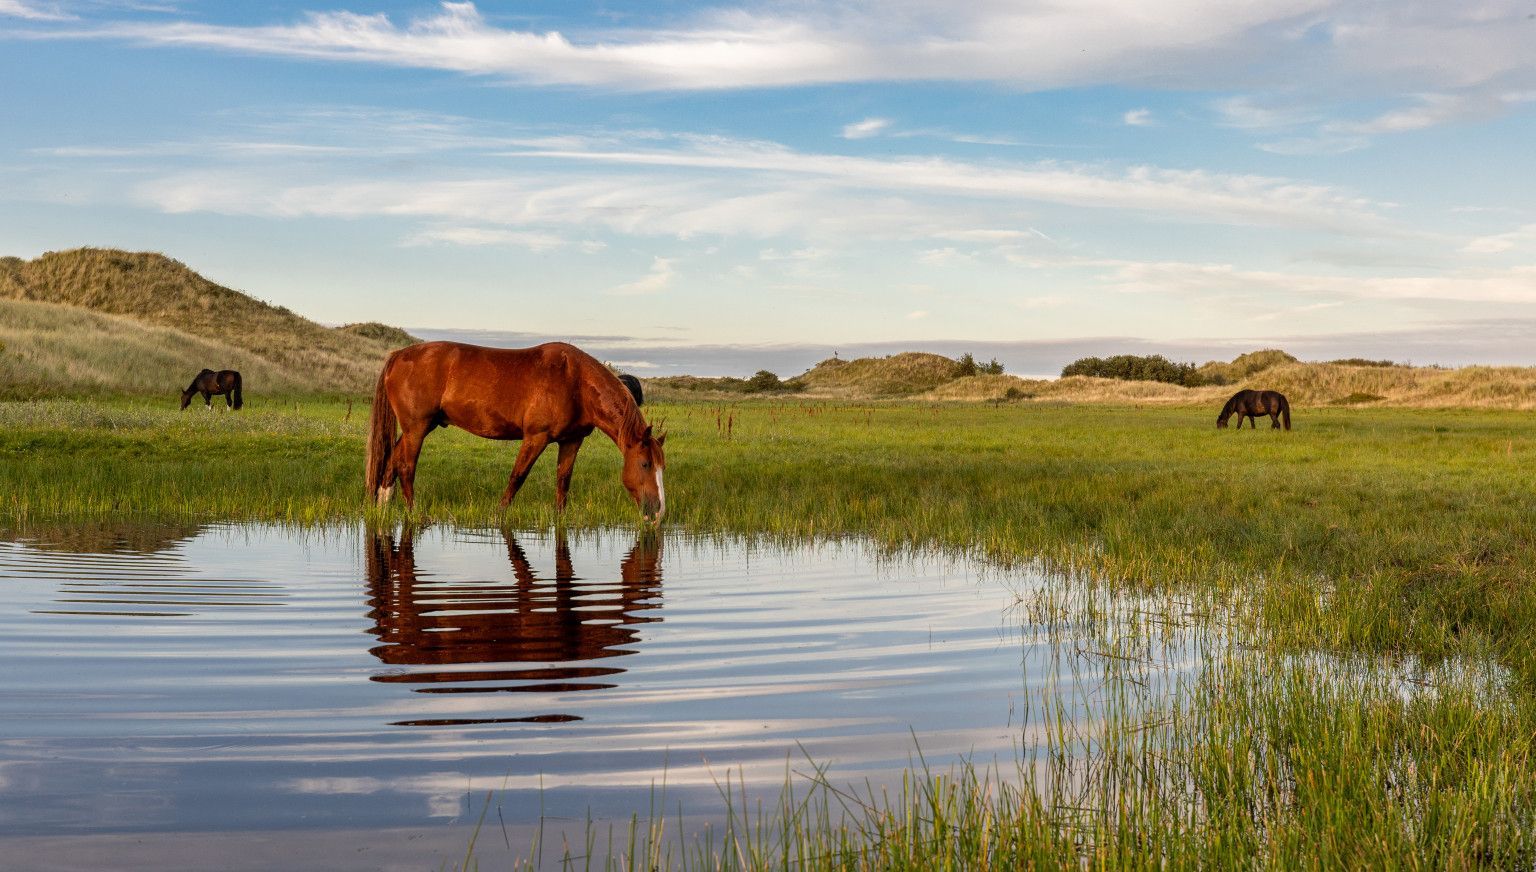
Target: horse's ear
{"x": 647, "y": 434}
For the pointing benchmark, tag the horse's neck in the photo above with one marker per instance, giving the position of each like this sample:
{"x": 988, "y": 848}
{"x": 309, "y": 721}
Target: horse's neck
{"x": 618, "y": 419}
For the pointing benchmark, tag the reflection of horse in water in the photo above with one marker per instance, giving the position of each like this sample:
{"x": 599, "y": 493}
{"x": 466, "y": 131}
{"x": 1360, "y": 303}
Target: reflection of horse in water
{"x": 530, "y": 635}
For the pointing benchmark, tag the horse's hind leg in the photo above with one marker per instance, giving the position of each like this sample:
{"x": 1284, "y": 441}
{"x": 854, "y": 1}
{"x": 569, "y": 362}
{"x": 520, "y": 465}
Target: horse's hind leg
{"x": 533, "y": 446}
{"x": 402, "y": 461}
{"x": 1274, "y": 420}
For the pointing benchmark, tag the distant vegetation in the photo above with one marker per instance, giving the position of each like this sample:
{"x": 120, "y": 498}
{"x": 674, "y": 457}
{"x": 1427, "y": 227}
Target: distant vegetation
{"x": 92, "y": 320}
{"x": 1133, "y": 367}
{"x": 1360, "y": 361}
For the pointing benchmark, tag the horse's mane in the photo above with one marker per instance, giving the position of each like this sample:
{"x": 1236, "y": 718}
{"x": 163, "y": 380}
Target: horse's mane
{"x": 619, "y": 407}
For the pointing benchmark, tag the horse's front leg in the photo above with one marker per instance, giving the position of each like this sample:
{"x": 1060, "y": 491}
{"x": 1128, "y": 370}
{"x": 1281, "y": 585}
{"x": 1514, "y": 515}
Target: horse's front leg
{"x": 533, "y": 446}
{"x": 563, "y": 472}
{"x": 207, "y": 401}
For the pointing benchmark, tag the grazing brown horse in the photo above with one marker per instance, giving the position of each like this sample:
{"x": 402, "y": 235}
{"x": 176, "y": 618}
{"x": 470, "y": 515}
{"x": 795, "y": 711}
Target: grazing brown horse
{"x": 1251, "y": 404}
{"x": 551, "y": 393}
{"x": 208, "y": 383}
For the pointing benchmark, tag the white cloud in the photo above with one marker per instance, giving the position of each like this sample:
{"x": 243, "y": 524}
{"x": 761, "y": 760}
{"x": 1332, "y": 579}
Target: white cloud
{"x": 865, "y": 129}
{"x": 657, "y": 279}
{"x": 1501, "y": 242}
{"x": 1249, "y": 113}
{"x": 477, "y": 236}
{"x": 947, "y": 256}
{"x": 689, "y": 186}
{"x": 919, "y": 315}
{"x": 1516, "y": 285}
{"x": 1424, "y": 45}
{"x": 33, "y": 11}
{"x": 1138, "y": 118}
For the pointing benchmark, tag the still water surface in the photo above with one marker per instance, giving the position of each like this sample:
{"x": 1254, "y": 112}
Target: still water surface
{"x": 349, "y": 686}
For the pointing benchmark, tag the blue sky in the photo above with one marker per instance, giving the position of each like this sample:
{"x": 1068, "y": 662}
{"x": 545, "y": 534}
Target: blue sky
{"x": 1029, "y": 179}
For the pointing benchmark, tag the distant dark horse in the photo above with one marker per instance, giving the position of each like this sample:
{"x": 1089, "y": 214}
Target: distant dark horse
{"x": 549, "y": 393}
{"x": 634, "y": 387}
{"x": 208, "y": 383}
{"x": 1251, "y": 404}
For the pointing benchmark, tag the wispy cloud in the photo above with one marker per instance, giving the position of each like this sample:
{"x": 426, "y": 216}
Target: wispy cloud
{"x": 1430, "y": 44}
{"x": 648, "y": 183}
{"x": 1502, "y": 242}
{"x": 657, "y": 279}
{"x": 866, "y": 128}
{"x": 480, "y": 236}
{"x": 34, "y": 11}
{"x": 1138, "y": 118}
{"x": 1515, "y": 285}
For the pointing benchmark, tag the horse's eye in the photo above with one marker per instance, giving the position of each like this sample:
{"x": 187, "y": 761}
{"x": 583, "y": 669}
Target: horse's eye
{"x": 645, "y": 464}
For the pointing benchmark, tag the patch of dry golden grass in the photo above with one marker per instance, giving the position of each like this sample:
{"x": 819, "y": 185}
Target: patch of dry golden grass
{"x": 52, "y": 350}
{"x": 156, "y": 290}
{"x": 1304, "y": 384}
{"x": 898, "y": 375}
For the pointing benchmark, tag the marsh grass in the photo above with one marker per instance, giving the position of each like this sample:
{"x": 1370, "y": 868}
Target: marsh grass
{"x": 1170, "y": 734}
{"x": 1367, "y": 677}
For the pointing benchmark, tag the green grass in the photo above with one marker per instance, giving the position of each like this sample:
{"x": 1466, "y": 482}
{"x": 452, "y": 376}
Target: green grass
{"x": 1328, "y": 565}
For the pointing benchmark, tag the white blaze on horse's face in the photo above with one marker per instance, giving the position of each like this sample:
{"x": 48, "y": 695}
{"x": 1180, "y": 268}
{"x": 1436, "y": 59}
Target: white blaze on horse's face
{"x": 661, "y": 494}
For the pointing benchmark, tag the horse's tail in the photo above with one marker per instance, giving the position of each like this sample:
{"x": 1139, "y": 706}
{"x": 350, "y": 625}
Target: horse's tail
{"x": 381, "y": 435}
{"x": 234, "y": 393}
{"x": 1285, "y": 411}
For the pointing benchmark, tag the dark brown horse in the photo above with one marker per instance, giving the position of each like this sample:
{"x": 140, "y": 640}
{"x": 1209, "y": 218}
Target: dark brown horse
{"x": 208, "y": 383}
{"x": 552, "y": 393}
{"x": 1251, "y": 404}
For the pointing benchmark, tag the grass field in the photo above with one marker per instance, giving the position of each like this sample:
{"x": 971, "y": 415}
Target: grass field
{"x": 1364, "y": 546}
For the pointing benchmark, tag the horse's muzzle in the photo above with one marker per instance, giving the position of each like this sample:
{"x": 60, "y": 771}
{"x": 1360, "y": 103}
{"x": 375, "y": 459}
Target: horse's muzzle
{"x": 650, "y": 507}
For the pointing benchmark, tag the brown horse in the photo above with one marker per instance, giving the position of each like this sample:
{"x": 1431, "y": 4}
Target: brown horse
{"x": 209, "y": 383}
{"x": 1251, "y": 404}
{"x": 551, "y": 393}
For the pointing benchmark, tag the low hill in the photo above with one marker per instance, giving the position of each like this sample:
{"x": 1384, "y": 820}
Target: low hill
{"x": 1345, "y": 383}
{"x": 1355, "y": 382}
{"x": 182, "y": 320}
{"x": 899, "y": 375}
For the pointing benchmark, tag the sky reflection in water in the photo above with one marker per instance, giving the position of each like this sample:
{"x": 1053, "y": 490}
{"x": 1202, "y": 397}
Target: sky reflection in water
{"x": 253, "y": 678}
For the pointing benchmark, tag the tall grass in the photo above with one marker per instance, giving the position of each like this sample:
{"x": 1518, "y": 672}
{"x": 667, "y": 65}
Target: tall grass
{"x": 1131, "y": 759}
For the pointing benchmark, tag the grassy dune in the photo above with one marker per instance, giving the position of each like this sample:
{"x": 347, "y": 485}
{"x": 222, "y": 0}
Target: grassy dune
{"x": 1304, "y": 384}
{"x": 52, "y": 350}
{"x": 180, "y": 312}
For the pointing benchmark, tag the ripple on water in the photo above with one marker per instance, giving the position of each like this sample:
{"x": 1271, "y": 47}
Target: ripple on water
{"x": 256, "y": 678}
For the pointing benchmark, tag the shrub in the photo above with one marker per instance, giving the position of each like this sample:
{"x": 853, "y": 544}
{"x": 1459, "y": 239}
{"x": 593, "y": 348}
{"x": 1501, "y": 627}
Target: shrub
{"x": 763, "y": 382}
{"x": 1133, "y": 367}
{"x": 1360, "y": 361}
{"x": 967, "y": 366}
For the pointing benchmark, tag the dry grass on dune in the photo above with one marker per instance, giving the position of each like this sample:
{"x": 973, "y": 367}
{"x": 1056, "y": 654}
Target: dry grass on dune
{"x": 1304, "y": 384}
{"x": 156, "y": 290}
{"x": 52, "y": 350}
{"x": 899, "y": 375}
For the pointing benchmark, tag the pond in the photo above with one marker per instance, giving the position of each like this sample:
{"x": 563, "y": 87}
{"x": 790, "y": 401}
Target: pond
{"x": 242, "y": 696}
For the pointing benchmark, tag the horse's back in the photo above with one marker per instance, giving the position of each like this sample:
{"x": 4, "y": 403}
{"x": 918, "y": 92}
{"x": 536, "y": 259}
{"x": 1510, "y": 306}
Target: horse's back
{"x": 492, "y": 392}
